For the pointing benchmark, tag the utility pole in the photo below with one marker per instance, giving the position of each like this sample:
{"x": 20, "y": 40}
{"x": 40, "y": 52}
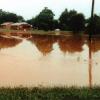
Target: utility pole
{"x": 92, "y": 11}
{"x": 90, "y": 45}
{"x": 91, "y": 21}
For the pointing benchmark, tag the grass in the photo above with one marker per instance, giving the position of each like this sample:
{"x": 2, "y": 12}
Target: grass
{"x": 40, "y": 32}
{"x": 56, "y": 93}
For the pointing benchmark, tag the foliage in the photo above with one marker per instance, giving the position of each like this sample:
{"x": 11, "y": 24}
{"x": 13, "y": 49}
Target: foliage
{"x": 68, "y": 21}
{"x": 77, "y": 23}
{"x": 31, "y": 21}
{"x": 65, "y": 18}
{"x": 44, "y": 20}
{"x": 71, "y": 20}
{"x": 9, "y": 17}
{"x": 55, "y": 24}
{"x": 93, "y": 27}
{"x": 56, "y": 93}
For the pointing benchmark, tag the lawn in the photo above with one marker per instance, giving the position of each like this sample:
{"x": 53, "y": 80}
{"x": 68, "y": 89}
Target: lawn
{"x": 55, "y": 93}
{"x": 39, "y": 32}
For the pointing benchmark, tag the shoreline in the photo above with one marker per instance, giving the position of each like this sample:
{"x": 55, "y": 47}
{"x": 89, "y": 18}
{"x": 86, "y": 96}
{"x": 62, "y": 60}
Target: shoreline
{"x": 41, "y": 32}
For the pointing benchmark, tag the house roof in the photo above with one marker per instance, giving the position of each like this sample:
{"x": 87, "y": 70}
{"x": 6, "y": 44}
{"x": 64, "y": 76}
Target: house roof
{"x": 21, "y": 23}
{"x": 7, "y": 23}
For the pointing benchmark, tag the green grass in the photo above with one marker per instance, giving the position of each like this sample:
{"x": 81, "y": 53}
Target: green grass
{"x": 55, "y": 93}
{"x": 40, "y": 32}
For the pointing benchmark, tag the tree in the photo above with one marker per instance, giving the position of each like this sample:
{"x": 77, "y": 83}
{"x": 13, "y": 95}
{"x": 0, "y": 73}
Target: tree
{"x": 11, "y": 17}
{"x": 31, "y": 21}
{"x": 95, "y": 25}
{"x": 55, "y": 24}
{"x": 44, "y": 20}
{"x": 77, "y": 23}
{"x": 65, "y": 18}
{"x": 20, "y": 18}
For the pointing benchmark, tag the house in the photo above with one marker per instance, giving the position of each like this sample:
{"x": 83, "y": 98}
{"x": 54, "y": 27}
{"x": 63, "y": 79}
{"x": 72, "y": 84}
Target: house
{"x": 21, "y": 26}
{"x": 6, "y": 25}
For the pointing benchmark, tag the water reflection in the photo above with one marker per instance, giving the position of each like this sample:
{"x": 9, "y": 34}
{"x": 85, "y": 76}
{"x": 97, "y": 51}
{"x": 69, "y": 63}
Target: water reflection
{"x": 69, "y": 44}
{"x": 43, "y": 43}
{"x": 8, "y": 42}
{"x": 95, "y": 44}
{"x": 61, "y": 62}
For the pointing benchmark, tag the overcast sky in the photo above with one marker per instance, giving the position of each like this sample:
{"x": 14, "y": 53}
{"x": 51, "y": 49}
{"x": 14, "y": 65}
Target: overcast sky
{"x": 30, "y": 8}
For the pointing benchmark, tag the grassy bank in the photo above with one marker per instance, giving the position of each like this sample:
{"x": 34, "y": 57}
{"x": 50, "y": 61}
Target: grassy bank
{"x": 50, "y": 93}
{"x": 39, "y": 32}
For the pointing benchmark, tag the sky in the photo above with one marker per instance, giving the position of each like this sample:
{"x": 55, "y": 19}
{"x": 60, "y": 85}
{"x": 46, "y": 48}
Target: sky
{"x": 30, "y": 8}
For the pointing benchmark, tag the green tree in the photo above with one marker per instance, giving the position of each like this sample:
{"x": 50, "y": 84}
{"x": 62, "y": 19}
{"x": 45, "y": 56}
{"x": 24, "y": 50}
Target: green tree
{"x": 55, "y": 24}
{"x": 20, "y": 18}
{"x": 11, "y": 17}
{"x": 65, "y": 18}
{"x": 31, "y": 21}
{"x": 44, "y": 20}
{"x": 77, "y": 23}
{"x": 95, "y": 25}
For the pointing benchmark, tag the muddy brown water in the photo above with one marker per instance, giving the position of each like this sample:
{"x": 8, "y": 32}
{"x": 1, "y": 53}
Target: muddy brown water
{"x": 49, "y": 61}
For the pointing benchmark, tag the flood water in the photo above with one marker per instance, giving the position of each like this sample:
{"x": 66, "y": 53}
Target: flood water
{"x": 49, "y": 61}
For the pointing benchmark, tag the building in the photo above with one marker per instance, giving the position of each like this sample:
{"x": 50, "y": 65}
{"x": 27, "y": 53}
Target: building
{"x": 6, "y": 25}
{"x": 21, "y": 26}
{"x": 16, "y": 26}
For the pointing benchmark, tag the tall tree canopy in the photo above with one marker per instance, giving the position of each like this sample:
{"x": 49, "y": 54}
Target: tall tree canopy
{"x": 11, "y": 17}
{"x": 44, "y": 20}
{"x": 77, "y": 23}
{"x": 65, "y": 18}
{"x": 95, "y": 23}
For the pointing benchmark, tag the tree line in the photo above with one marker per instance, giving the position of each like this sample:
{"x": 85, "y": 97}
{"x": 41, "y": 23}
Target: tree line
{"x": 67, "y": 21}
{"x": 9, "y": 17}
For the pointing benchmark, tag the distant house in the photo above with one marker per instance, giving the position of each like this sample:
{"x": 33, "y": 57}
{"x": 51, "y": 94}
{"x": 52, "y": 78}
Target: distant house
{"x": 6, "y": 25}
{"x": 21, "y": 26}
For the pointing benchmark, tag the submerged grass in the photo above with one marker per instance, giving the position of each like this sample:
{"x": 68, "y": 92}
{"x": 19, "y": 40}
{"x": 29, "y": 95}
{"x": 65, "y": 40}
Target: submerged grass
{"x": 56, "y": 93}
{"x": 38, "y": 32}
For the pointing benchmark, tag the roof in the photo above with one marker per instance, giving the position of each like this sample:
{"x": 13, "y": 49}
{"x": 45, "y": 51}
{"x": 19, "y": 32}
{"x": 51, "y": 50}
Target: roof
{"x": 21, "y": 23}
{"x": 7, "y": 23}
